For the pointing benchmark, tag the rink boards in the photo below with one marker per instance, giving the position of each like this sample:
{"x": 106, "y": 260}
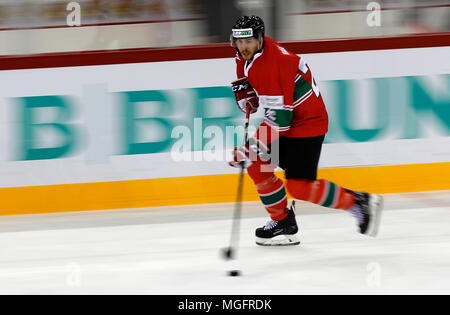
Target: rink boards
{"x": 159, "y": 133}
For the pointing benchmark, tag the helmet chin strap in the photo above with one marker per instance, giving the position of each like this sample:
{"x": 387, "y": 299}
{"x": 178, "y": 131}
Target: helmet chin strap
{"x": 260, "y": 44}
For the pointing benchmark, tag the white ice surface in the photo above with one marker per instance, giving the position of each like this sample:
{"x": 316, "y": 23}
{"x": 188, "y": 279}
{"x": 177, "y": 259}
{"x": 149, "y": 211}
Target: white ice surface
{"x": 175, "y": 250}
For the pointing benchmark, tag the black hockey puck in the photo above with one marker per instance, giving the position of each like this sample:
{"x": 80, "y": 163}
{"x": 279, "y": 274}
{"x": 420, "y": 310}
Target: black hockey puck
{"x": 234, "y": 273}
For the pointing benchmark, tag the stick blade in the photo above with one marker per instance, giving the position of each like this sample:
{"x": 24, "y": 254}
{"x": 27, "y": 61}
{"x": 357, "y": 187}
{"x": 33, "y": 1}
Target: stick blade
{"x": 228, "y": 253}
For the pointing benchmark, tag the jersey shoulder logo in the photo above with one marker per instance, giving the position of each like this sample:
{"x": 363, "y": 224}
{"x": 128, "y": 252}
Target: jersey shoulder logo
{"x": 283, "y": 50}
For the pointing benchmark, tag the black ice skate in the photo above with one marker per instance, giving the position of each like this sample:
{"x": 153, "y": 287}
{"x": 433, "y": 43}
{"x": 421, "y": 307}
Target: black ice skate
{"x": 367, "y": 210}
{"x": 279, "y": 233}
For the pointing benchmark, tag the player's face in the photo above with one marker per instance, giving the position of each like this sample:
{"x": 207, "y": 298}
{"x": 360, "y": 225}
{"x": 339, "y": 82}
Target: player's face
{"x": 248, "y": 47}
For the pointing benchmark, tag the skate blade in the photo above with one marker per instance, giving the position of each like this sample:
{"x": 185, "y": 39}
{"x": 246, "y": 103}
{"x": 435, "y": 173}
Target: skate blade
{"x": 279, "y": 240}
{"x": 376, "y": 204}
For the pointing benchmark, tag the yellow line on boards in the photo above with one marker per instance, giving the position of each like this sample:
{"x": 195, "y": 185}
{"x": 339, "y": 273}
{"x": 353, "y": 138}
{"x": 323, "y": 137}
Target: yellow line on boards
{"x": 208, "y": 189}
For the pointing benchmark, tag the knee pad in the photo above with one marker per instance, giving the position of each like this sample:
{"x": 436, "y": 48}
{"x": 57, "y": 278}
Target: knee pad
{"x": 258, "y": 176}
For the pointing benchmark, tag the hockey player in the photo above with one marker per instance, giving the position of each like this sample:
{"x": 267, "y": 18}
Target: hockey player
{"x": 295, "y": 124}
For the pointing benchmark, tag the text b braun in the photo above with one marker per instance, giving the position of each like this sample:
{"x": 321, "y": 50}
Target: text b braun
{"x": 246, "y": 305}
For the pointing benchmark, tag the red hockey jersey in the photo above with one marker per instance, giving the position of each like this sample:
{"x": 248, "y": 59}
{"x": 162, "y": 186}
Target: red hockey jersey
{"x": 286, "y": 90}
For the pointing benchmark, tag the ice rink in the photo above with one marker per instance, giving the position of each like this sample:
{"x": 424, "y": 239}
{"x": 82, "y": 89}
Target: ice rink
{"x": 175, "y": 250}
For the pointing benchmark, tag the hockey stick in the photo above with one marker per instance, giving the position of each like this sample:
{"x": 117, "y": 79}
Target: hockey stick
{"x": 230, "y": 252}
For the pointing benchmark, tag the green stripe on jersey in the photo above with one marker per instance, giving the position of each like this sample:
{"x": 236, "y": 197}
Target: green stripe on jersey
{"x": 281, "y": 117}
{"x": 301, "y": 88}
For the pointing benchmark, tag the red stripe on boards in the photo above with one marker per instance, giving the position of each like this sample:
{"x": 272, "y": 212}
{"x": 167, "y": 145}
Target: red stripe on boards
{"x": 212, "y": 51}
